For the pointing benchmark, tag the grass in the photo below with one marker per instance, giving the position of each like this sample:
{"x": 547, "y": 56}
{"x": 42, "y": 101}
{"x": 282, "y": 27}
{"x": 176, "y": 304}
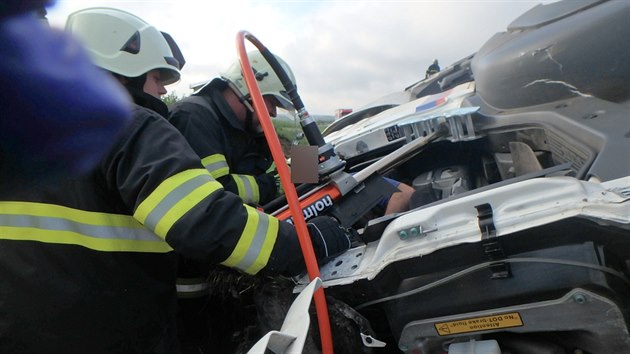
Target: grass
{"x": 288, "y": 130}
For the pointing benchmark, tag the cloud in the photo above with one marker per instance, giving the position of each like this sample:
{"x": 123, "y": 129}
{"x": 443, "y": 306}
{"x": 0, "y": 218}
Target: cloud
{"x": 343, "y": 53}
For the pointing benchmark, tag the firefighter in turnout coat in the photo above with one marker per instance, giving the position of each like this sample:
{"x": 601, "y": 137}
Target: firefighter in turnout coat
{"x": 221, "y": 125}
{"x": 88, "y": 265}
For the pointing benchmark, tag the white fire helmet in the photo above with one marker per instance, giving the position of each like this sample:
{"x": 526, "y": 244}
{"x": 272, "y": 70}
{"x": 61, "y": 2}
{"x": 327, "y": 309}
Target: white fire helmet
{"x": 266, "y": 78}
{"x": 124, "y": 44}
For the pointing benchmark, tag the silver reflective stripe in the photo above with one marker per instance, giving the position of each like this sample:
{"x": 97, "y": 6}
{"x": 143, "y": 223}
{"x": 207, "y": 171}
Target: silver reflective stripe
{"x": 257, "y": 242}
{"x": 247, "y": 190}
{"x": 176, "y": 195}
{"x": 192, "y": 288}
{"x": 98, "y": 231}
{"x": 57, "y": 224}
{"x": 216, "y": 165}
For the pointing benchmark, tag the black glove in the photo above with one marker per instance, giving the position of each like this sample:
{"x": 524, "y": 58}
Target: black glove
{"x": 329, "y": 238}
{"x": 267, "y": 187}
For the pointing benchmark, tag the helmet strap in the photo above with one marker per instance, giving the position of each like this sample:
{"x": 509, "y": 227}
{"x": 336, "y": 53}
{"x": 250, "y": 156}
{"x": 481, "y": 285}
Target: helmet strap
{"x": 242, "y": 99}
{"x": 249, "y": 121}
{"x": 249, "y": 112}
{"x": 137, "y": 82}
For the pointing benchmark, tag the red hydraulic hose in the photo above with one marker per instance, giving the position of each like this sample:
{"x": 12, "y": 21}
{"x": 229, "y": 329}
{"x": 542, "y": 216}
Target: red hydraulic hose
{"x": 289, "y": 189}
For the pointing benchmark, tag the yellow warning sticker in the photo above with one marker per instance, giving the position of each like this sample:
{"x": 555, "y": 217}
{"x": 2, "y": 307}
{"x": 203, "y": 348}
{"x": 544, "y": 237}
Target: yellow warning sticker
{"x": 485, "y": 323}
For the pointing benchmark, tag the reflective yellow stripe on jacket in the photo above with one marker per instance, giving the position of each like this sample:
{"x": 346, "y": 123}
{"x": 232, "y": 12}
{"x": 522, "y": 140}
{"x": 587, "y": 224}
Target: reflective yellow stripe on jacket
{"x": 246, "y": 185}
{"x": 247, "y": 188}
{"x": 51, "y": 223}
{"x": 173, "y": 198}
{"x": 254, "y": 247}
{"x": 216, "y": 165}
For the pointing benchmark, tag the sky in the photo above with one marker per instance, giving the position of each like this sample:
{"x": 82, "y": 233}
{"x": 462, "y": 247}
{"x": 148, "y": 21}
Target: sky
{"x": 344, "y": 53}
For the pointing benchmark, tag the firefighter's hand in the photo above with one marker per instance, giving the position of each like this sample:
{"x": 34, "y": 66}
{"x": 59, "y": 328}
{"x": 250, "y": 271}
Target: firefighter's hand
{"x": 329, "y": 238}
{"x": 268, "y": 187}
{"x": 273, "y": 171}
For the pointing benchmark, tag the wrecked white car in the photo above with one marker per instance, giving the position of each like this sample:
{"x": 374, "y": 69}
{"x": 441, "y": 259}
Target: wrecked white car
{"x": 518, "y": 236}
